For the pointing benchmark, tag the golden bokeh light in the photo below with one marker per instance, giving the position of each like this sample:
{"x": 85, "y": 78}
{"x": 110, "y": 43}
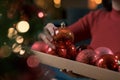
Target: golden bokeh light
{"x": 98, "y": 1}
{"x": 16, "y": 47}
{"x": 92, "y": 4}
{"x": 57, "y": 1}
{"x": 5, "y": 51}
{"x": 19, "y": 39}
{"x": 12, "y": 33}
{"x": 11, "y": 30}
{"x": 57, "y": 5}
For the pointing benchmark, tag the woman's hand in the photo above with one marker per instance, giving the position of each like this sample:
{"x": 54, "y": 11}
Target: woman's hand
{"x": 48, "y": 33}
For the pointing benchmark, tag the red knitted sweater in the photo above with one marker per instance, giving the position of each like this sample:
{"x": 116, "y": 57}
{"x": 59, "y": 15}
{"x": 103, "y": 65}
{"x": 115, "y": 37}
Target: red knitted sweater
{"x": 101, "y": 26}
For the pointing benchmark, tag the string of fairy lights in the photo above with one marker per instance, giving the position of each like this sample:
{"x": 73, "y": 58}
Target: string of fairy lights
{"x": 17, "y": 47}
{"x": 13, "y": 34}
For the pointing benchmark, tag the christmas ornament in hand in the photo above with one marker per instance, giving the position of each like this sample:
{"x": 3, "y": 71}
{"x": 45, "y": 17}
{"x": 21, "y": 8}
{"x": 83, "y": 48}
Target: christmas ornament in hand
{"x": 63, "y": 40}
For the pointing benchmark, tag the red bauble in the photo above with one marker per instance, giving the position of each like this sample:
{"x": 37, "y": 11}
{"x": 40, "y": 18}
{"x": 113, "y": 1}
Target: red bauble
{"x": 63, "y": 39}
{"x": 51, "y": 51}
{"x": 86, "y": 56}
{"x": 107, "y": 61}
{"x": 117, "y": 56}
{"x": 71, "y": 52}
{"x": 43, "y": 47}
{"x": 101, "y": 51}
{"x": 62, "y": 52}
{"x": 59, "y": 44}
{"x": 63, "y": 35}
{"x": 40, "y": 46}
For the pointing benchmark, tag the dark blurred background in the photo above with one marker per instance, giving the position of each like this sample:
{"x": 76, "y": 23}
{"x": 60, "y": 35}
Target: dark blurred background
{"x": 39, "y": 12}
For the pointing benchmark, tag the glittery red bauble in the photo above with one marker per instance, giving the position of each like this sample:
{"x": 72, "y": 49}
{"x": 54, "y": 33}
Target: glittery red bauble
{"x": 86, "y": 56}
{"x": 107, "y": 61}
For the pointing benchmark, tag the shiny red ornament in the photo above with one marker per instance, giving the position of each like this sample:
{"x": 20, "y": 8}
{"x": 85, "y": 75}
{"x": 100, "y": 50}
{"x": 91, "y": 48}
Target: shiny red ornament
{"x": 63, "y": 36}
{"x": 101, "y": 51}
{"x": 107, "y": 61}
{"x": 63, "y": 39}
{"x": 43, "y": 47}
{"x": 86, "y": 56}
{"x": 117, "y": 56}
{"x": 40, "y": 46}
{"x": 51, "y": 51}
{"x": 71, "y": 52}
{"x": 62, "y": 52}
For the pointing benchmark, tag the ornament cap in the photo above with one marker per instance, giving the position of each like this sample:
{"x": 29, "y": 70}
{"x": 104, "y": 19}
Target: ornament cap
{"x": 63, "y": 24}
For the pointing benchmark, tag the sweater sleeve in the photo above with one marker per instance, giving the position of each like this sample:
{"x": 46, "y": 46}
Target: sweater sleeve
{"x": 82, "y": 28}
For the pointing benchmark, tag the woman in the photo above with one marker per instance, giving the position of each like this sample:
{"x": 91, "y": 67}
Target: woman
{"x": 102, "y": 26}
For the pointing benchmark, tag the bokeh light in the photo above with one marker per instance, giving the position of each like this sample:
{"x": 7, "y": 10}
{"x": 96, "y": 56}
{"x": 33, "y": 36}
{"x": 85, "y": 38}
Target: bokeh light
{"x": 32, "y": 61}
{"x": 19, "y": 39}
{"x": 22, "y": 26}
{"x": 41, "y": 15}
{"x": 16, "y": 47}
{"x": 22, "y": 52}
{"x": 57, "y": 3}
{"x": 12, "y": 33}
{"x": 92, "y": 4}
{"x": 5, "y": 51}
{"x": 98, "y": 1}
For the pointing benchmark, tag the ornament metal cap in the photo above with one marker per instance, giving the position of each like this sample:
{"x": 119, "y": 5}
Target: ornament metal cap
{"x": 63, "y": 24}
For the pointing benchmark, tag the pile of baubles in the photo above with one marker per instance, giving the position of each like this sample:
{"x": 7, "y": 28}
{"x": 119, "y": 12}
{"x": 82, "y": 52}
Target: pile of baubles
{"x": 64, "y": 42}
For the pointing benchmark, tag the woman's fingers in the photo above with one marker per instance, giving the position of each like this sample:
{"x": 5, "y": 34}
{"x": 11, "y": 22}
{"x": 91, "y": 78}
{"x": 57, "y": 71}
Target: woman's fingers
{"x": 50, "y": 28}
{"x": 47, "y": 35}
{"x": 46, "y": 40}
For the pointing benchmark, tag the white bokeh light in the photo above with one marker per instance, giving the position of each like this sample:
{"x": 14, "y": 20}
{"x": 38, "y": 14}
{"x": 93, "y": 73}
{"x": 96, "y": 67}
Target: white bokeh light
{"x": 22, "y": 26}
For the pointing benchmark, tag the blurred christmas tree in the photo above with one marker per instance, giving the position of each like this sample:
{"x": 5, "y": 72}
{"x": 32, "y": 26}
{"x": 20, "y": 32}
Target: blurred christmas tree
{"x": 12, "y": 11}
{"x": 13, "y": 66}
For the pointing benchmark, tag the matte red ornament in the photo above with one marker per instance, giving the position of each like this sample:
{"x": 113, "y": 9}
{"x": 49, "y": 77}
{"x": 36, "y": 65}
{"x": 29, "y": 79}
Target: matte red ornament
{"x": 107, "y": 61}
{"x": 86, "y": 56}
